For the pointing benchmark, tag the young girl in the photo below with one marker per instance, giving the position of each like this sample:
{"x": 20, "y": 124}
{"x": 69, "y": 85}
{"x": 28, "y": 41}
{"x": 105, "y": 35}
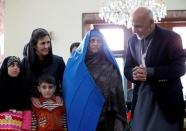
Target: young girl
{"x": 15, "y": 105}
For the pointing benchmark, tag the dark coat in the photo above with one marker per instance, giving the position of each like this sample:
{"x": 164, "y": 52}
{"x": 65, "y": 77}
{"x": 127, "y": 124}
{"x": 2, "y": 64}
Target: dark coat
{"x": 13, "y": 95}
{"x": 166, "y": 56}
{"x": 54, "y": 67}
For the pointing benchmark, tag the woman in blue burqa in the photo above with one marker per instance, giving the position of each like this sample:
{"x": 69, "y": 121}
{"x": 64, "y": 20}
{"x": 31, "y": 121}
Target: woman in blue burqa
{"x": 93, "y": 90}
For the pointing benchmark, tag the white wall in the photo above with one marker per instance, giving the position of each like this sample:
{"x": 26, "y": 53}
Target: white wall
{"x": 175, "y": 4}
{"x": 62, "y": 17}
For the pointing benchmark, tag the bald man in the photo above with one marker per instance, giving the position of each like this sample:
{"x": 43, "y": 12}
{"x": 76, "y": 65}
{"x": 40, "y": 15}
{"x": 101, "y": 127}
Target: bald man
{"x": 154, "y": 63}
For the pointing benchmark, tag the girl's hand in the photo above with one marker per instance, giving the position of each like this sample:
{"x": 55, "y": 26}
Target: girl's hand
{"x": 59, "y": 100}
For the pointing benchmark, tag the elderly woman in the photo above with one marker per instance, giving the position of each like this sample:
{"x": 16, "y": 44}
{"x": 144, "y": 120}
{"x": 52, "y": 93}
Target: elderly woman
{"x": 93, "y": 88}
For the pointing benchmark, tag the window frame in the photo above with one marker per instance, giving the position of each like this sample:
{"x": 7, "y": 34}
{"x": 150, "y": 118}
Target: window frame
{"x": 173, "y": 18}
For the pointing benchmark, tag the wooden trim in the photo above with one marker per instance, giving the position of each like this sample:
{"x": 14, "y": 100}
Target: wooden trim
{"x": 175, "y": 15}
{"x": 172, "y": 15}
{"x": 91, "y": 18}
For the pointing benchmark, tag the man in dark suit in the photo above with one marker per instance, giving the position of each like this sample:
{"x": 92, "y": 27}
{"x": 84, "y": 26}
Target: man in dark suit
{"x": 155, "y": 61}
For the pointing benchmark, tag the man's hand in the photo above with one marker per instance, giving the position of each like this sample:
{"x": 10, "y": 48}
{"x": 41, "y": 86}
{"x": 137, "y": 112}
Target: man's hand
{"x": 139, "y": 73}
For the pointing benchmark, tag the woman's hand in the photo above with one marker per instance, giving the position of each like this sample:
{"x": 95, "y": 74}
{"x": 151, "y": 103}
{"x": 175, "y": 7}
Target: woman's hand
{"x": 59, "y": 100}
{"x": 36, "y": 102}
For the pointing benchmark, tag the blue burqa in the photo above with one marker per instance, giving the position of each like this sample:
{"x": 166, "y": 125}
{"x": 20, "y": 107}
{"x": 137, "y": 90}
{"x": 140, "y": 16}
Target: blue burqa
{"x": 83, "y": 98}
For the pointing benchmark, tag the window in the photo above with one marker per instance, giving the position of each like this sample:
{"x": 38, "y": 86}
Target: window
{"x": 120, "y": 62}
{"x": 183, "y": 80}
{"x": 182, "y": 32}
{"x": 114, "y": 38}
{"x": 115, "y": 41}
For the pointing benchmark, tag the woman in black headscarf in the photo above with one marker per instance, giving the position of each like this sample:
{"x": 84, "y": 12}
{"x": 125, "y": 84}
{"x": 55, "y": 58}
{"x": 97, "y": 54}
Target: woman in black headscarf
{"x": 40, "y": 60}
{"x": 13, "y": 96}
